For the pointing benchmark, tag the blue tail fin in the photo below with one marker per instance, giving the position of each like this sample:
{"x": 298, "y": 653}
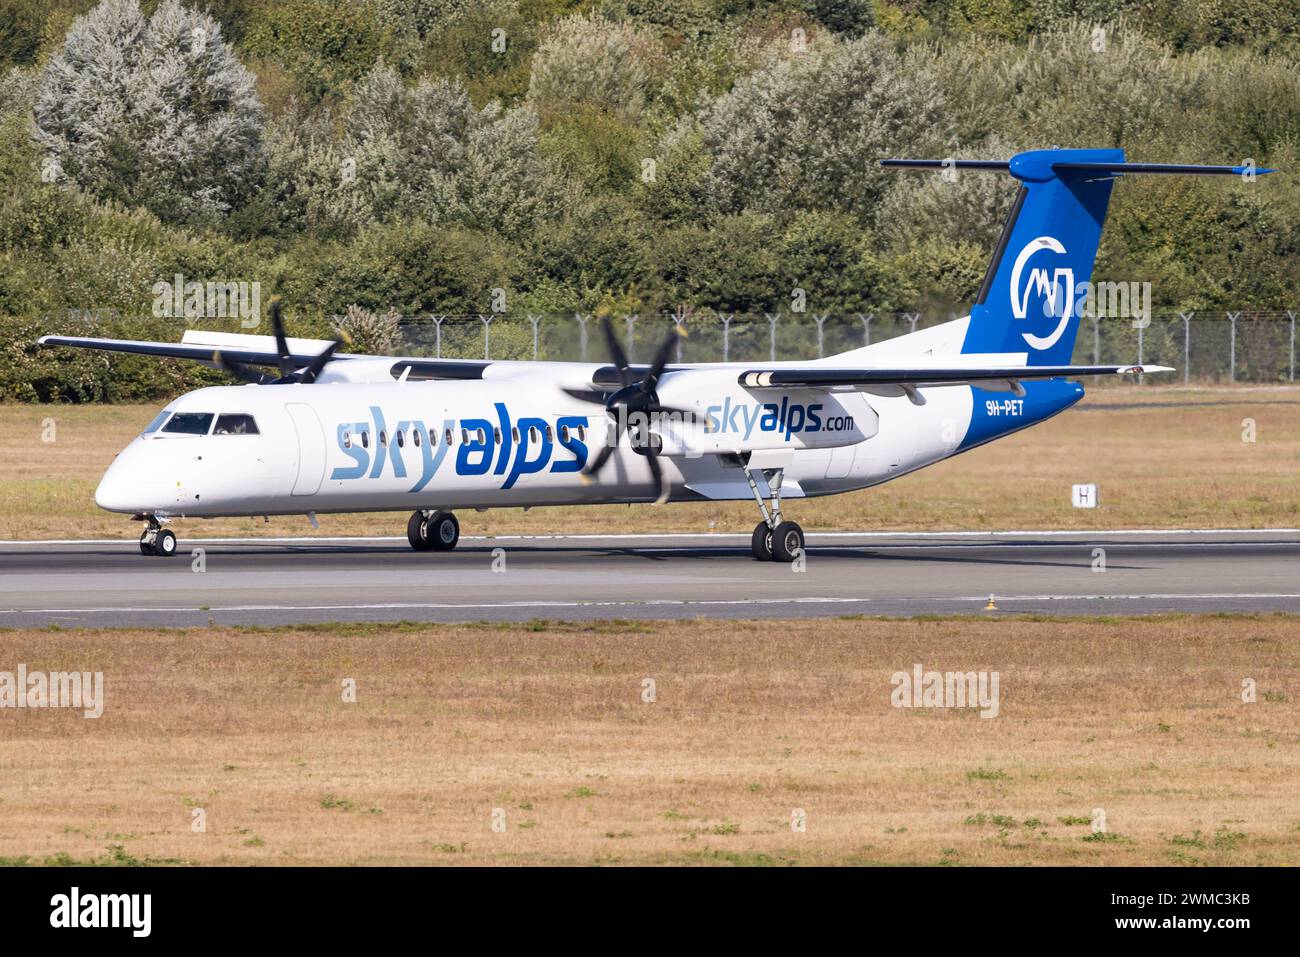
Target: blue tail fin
{"x": 1030, "y": 298}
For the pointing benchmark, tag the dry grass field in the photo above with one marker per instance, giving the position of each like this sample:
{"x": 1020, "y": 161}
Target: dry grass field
{"x": 1163, "y": 457}
{"x": 1142, "y": 718}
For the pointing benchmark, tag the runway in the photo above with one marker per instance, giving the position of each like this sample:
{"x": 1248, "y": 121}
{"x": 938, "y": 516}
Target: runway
{"x": 285, "y": 581}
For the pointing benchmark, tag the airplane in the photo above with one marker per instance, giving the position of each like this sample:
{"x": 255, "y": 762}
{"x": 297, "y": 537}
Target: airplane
{"x": 328, "y": 431}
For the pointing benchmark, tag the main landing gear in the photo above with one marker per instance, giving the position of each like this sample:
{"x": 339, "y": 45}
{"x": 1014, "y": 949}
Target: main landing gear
{"x": 433, "y": 531}
{"x": 774, "y": 539}
{"x": 156, "y": 540}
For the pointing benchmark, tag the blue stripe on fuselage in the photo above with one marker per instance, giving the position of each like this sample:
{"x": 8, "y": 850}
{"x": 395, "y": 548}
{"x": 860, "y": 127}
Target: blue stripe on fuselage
{"x": 995, "y": 414}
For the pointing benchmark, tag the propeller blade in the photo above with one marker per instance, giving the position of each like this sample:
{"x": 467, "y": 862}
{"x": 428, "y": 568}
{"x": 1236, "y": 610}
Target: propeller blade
{"x": 237, "y": 370}
{"x": 309, "y": 374}
{"x": 661, "y": 359}
{"x": 598, "y": 463}
{"x": 588, "y": 395}
{"x": 657, "y": 473}
{"x": 616, "y": 352}
{"x": 285, "y": 359}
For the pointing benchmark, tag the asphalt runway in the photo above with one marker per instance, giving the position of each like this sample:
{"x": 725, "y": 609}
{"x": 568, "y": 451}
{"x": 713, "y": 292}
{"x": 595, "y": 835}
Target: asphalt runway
{"x": 250, "y": 581}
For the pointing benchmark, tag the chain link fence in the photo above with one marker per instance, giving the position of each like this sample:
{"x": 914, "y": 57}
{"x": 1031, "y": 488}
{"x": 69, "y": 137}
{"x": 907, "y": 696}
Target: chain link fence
{"x": 1204, "y": 347}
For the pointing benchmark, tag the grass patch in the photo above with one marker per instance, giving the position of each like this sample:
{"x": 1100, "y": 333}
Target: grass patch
{"x": 467, "y": 718}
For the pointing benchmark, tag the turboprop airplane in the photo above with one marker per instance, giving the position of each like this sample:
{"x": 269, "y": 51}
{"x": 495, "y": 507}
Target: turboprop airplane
{"x": 330, "y": 431}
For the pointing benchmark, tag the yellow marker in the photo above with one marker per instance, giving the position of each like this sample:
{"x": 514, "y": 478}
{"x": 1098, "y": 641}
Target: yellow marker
{"x": 992, "y": 605}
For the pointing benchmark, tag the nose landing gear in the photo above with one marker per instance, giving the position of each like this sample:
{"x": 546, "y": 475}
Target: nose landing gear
{"x": 156, "y": 540}
{"x": 432, "y": 531}
{"x": 774, "y": 540}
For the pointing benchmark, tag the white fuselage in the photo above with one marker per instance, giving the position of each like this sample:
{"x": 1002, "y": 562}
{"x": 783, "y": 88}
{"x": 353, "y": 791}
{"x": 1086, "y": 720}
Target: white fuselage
{"x": 388, "y": 446}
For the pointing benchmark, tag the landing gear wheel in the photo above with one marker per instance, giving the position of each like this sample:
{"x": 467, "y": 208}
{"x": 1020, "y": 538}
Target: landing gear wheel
{"x": 417, "y": 532}
{"x": 444, "y": 531}
{"x": 761, "y": 542}
{"x": 164, "y": 543}
{"x": 787, "y": 542}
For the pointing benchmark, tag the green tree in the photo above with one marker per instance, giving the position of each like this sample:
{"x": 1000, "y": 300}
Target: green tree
{"x": 155, "y": 113}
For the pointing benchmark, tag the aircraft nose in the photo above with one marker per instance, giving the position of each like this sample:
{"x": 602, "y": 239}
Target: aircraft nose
{"x": 116, "y": 491}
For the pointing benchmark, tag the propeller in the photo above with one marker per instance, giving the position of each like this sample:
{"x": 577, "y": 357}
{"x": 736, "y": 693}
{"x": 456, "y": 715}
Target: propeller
{"x": 289, "y": 370}
{"x": 631, "y": 407}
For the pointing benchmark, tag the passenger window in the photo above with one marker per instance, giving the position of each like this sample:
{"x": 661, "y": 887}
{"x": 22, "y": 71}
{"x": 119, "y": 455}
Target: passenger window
{"x": 235, "y": 423}
{"x": 347, "y": 440}
{"x": 383, "y": 438}
{"x": 582, "y": 433}
{"x": 550, "y": 436}
{"x": 482, "y": 437}
{"x": 564, "y": 433}
{"x": 189, "y": 423}
{"x": 496, "y": 435}
{"x": 415, "y": 437}
{"x": 514, "y": 434}
{"x": 448, "y": 436}
{"x": 158, "y": 420}
{"x": 365, "y": 440}
{"x": 401, "y": 442}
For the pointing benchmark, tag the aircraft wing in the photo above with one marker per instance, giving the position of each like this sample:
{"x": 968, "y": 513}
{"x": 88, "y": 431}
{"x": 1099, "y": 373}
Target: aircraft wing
{"x": 821, "y": 377}
{"x": 176, "y": 350}
{"x": 249, "y": 351}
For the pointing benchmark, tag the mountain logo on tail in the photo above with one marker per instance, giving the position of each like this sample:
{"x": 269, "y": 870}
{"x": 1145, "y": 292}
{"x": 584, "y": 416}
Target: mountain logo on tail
{"x": 1055, "y": 287}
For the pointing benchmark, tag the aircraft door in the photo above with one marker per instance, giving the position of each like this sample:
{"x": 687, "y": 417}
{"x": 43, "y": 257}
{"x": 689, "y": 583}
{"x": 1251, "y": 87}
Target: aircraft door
{"x": 311, "y": 448}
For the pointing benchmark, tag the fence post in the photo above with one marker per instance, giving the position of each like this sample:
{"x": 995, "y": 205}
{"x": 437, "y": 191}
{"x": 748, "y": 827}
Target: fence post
{"x": 679, "y": 320}
{"x": 487, "y": 329}
{"x": 535, "y": 320}
{"x": 631, "y": 335}
{"x": 726, "y": 335}
{"x": 821, "y": 336}
{"x": 1096, "y": 340}
{"x": 437, "y": 335}
{"x": 582, "y": 334}
{"x": 771, "y": 322}
{"x": 1232, "y": 352}
{"x": 1141, "y": 342}
{"x": 1291, "y": 314}
{"x": 911, "y": 318}
{"x": 866, "y": 328}
{"x": 1187, "y": 345}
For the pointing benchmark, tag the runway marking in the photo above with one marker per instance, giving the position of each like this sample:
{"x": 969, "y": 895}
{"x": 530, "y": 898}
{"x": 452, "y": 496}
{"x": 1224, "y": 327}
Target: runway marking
{"x": 1007, "y": 533}
{"x": 653, "y": 602}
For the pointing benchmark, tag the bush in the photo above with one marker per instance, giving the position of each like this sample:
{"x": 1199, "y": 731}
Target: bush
{"x": 325, "y": 45}
{"x": 802, "y": 132}
{"x": 155, "y": 113}
{"x": 593, "y": 61}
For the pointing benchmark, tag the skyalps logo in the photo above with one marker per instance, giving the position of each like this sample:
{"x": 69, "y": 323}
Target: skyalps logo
{"x": 1055, "y": 286}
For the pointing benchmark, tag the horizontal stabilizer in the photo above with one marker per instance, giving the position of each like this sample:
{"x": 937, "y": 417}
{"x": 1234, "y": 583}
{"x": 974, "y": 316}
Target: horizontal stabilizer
{"x": 1114, "y": 169}
{"x": 946, "y": 164}
{"x": 1170, "y": 169}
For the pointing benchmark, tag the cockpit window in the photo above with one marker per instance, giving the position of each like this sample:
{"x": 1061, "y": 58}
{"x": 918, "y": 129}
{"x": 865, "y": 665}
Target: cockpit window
{"x": 158, "y": 420}
{"x": 189, "y": 423}
{"x": 235, "y": 423}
